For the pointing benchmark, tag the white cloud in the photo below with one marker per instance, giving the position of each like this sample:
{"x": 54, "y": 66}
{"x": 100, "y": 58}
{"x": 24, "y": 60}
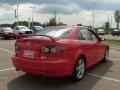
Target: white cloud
{"x": 82, "y": 15}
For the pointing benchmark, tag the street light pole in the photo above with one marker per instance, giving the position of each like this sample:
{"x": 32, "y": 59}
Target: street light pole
{"x": 55, "y": 16}
{"x": 32, "y": 18}
{"x": 111, "y": 22}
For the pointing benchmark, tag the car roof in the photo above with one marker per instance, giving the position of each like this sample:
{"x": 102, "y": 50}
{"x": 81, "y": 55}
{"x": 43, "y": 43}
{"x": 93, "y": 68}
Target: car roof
{"x": 58, "y": 27}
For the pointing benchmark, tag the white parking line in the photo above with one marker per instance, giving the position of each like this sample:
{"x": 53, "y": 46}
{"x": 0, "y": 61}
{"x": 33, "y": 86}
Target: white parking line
{"x": 7, "y": 69}
{"x": 6, "y": 51}
{"x": 95, "y": 75}
{"x": 107, "y": 78}
{"x": 114, "y": 51}
{"x": 5, "y": 63}
{"x": 114, "y": 48}
{"x": 111, "y": 59}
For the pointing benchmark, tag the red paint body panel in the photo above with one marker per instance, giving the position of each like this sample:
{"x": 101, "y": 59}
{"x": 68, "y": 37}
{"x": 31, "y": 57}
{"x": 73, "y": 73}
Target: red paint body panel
{"x": 50, "y": 67}
{"x": 57, "y": 64}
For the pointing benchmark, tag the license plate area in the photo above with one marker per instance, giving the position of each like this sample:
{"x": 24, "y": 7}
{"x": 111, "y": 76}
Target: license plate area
{"x": 28, "y": 53}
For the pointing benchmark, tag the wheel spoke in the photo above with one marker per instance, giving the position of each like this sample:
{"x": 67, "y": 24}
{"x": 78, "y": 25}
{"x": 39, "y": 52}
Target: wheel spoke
{"x": 80, "y": 68}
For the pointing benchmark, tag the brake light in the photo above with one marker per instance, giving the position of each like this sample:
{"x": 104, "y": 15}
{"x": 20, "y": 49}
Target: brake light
{"x": 52, "y": 49}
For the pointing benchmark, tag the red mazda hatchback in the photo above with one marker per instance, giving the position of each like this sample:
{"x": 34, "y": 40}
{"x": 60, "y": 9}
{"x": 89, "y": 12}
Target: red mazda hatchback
{"x": 60, "y": 52}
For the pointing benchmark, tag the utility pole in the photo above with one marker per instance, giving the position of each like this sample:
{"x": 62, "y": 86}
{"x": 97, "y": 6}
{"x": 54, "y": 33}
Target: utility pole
{"x": 111, "y": 22}
{"x": 29, "y": 22}
{"x": 32, "y": 17}
{"x": 55, "y": 12}
{"x": 108, "y": 18}
{"x": 59, "y": 20}
{"x": 17, "y": 12}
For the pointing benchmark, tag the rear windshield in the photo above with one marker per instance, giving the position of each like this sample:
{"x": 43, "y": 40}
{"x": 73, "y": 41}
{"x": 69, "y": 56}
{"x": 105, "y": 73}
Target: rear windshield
{"x": 38, "y": 27}
{"x": 56, "y": 32}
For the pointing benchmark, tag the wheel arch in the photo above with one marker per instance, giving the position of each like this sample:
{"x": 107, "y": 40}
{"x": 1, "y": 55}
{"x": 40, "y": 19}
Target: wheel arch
{"x": 81, "y": 54}
{"x": 84, "y": 58}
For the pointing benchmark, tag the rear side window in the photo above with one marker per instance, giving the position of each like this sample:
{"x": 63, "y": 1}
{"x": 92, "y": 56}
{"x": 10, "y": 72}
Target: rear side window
{"x": 56, "y": 32}
{"x": 84, "y": 34}
{"x": 94, "y": 38}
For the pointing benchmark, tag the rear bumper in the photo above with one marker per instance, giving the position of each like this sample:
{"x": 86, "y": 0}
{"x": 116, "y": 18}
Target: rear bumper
{"x": 52, "y": 68}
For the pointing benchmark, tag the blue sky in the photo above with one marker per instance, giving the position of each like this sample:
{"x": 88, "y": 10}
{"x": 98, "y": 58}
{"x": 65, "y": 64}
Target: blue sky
{"x": 69, "y": 11}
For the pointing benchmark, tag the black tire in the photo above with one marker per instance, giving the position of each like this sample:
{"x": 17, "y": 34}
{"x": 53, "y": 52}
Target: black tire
{"x": 106, "y": 55}
{"x": 79, "y": 70}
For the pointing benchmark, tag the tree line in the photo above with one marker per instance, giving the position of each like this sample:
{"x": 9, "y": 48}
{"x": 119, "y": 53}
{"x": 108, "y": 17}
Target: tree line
{"x": 51, "y": 22}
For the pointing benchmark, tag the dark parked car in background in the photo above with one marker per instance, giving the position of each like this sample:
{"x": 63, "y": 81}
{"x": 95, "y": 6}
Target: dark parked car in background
{"x": 116, "y": 32}
{"x": 36, "y": 28}
{"x": 7, "y": 32}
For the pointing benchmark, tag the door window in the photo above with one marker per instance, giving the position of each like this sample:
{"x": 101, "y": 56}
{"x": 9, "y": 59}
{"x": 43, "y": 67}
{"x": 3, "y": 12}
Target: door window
{"x": 84, "y": 34}
{"x": 93, "y": 36}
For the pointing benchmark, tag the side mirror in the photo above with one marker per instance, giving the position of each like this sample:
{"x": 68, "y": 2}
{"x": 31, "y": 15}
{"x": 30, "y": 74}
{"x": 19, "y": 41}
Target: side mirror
{"x": 103, "y": 39}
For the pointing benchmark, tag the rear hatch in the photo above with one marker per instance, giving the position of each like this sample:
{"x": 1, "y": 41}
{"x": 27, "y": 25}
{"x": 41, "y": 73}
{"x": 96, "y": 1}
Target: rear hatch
{"x": 38, "y": 48}
{"x": 31, "y": 48}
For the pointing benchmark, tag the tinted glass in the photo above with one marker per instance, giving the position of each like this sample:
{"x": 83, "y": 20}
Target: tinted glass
{"x": 38, "y": 27}
{"x": 84, "y": 34}
{"x": 56, "y": 32}
{"x": 22, "y": 27}
{"x": 93, "y": 36}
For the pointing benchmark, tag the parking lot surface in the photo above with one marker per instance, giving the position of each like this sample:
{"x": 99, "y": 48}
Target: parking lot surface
{"x": 103, "y": 76}
{"x": 111, "y": 37}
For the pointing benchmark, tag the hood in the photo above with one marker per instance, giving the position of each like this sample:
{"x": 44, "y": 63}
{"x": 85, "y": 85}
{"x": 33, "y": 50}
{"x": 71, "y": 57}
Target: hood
{"x": 25, "y": 30}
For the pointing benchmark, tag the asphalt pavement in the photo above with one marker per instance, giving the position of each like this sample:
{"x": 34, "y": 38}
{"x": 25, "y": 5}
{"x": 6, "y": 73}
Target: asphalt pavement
{"x": 103, "y": 76}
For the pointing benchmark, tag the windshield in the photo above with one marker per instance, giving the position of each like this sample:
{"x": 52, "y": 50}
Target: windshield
{"x": 38, "y": 27}
{"x": 56, "y": 32}
{"x": 22, "y": 27}
{"x": 100, "y": 29}
{"x": 116, "y": 30}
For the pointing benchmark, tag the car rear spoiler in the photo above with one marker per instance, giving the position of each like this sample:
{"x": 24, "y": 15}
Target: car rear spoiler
{"x": 21, "y": 36}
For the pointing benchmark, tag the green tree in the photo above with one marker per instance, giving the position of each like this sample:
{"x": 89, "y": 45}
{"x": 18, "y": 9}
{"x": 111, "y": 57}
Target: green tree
{"x": 107, "y": 27}
{"x": 52, "y": 22}
{"x": 5, "y": 25}
{"x": 117, "y": 17}
{"x": 25, "y": 23}
{"x": 35, "y": 24}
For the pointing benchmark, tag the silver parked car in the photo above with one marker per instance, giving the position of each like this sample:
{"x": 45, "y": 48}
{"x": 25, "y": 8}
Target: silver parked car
{"x": 22, "y": 30}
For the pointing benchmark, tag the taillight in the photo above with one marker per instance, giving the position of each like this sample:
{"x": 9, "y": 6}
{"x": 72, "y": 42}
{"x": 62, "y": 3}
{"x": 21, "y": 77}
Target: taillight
{"x": 52, "y": 49}
{"x": 17, "y": 46}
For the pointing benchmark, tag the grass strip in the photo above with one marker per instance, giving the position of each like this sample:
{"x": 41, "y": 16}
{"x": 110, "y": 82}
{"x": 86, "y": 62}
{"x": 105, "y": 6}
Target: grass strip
{"x": 113, "y": 41}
